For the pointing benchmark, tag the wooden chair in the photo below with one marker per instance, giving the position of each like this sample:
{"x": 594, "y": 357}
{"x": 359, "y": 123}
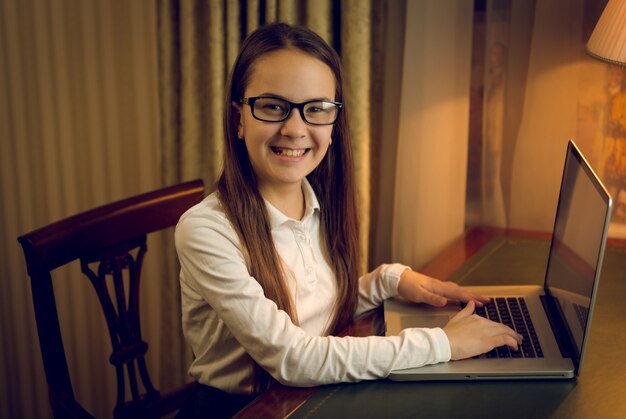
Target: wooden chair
{"x": 114, "y": 237}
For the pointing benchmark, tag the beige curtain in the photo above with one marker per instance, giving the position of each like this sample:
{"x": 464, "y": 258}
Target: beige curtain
{"x": 78, "y": 128}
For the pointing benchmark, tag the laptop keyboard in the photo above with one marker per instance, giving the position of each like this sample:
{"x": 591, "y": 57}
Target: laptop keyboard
{"x": 513, "y": 312}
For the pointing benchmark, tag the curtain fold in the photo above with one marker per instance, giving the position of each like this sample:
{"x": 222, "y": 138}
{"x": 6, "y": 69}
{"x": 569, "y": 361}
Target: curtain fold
{"x": 430, "y": 174}
{"x": 356, "y": 46}
{"x": 507, "y": 30}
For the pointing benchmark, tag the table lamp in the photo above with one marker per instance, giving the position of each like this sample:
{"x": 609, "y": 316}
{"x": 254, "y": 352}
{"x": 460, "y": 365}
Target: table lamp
{"x": 608, "y": 40}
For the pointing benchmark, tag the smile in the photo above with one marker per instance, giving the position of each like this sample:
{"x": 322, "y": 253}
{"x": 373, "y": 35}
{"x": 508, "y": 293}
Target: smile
{"x": 289, "y": 152}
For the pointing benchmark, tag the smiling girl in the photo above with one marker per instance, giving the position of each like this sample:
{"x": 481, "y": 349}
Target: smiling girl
{"x": 269, "y": 261}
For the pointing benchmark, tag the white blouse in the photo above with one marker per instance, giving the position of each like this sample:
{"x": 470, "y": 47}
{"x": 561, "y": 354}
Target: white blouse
{"x": 228, "y": 321}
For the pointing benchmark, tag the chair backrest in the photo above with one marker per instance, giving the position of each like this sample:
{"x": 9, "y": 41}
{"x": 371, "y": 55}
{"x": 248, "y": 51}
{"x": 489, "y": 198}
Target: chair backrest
{"x": 110, "y": 242}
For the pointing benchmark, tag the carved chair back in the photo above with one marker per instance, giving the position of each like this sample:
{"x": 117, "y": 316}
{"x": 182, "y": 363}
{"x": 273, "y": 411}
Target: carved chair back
{"x": 110, "y": 242}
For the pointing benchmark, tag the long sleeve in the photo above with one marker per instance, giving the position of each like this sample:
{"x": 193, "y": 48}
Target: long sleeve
{"x": 378, "y": 285}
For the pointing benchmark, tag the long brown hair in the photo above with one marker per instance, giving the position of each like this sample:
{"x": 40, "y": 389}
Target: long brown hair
{"x": 332, "y": 182}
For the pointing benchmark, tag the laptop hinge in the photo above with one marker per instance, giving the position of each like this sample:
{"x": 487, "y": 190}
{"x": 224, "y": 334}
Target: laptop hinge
{"x": 561, "y": 332}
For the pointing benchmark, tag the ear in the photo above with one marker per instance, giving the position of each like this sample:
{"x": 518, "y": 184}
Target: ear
{"x": 238, "y": 117}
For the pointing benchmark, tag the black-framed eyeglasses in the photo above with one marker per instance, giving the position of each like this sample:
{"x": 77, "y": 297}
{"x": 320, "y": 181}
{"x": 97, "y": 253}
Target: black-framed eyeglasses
{"x": 273, "y": 109}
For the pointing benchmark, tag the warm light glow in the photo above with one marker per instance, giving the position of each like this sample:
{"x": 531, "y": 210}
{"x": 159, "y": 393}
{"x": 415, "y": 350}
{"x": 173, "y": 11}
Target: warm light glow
{"x": 608, "y": 40}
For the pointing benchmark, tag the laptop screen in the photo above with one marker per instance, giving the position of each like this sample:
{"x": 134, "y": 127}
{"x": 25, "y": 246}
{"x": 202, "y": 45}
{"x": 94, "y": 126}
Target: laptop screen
{"x": 578, "y": 241}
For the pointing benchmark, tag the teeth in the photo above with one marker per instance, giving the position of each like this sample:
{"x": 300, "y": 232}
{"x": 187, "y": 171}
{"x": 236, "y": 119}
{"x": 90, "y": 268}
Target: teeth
{"x": 289, "y": 152}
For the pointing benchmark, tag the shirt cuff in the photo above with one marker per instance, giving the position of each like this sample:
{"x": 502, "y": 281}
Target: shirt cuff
{"x": 391, "y": 276}
{"x": 442, "y": 350}
{"x": 428, "y": 346}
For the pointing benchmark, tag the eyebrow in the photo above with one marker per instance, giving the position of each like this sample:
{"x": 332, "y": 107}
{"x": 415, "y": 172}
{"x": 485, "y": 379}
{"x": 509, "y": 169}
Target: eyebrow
{"x": 315, "y": 99}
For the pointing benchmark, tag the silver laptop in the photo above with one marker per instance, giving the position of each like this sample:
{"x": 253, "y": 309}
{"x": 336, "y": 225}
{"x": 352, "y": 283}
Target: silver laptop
{"x": 554, "y": 318}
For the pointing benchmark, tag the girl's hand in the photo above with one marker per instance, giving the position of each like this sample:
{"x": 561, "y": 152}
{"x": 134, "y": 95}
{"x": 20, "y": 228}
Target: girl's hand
{"x": 470, "y": 335}
{"x": 420, "y": 288}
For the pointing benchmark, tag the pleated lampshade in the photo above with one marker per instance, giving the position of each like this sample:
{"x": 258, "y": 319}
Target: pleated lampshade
{"x": 608, "y": 40}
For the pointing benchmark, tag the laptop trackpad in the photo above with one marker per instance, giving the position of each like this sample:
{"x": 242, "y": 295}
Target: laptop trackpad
{"x": 422, "y": 320}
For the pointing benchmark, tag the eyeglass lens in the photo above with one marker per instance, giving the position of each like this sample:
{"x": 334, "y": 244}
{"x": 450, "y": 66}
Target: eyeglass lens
{"x": 275, "y": 110}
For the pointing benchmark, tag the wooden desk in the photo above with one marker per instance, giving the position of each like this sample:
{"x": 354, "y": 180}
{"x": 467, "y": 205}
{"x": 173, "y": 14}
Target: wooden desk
{"x": 594, "y": 393}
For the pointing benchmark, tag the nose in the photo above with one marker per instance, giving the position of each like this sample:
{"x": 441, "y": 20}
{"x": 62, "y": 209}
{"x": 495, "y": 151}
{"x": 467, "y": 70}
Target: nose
{"x": 294, "y": 125}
